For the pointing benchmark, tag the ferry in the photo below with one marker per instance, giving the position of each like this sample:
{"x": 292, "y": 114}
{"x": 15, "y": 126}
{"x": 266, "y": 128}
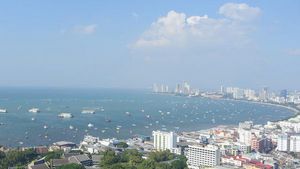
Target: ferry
{"x": 34, "y": 110}
{"x": 65, "y": 115}
{"x": 88, "y": 111}
{"x": 3, "y": 111}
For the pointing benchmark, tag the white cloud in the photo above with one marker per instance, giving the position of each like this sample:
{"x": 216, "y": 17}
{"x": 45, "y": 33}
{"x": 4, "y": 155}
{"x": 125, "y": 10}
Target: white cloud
{"x": 294, "y": 52}
{"x": 178, "y": 29}
{"x": 85, "y": 29}
{"x": 241, "y": 12}
{"x": 135, "y": 15}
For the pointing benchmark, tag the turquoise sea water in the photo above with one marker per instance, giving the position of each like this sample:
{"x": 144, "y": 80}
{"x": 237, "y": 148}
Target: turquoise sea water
{"x": 147, "y": 112}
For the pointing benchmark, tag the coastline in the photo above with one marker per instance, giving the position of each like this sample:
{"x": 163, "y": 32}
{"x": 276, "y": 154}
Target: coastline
{"x": 293, "y": 109}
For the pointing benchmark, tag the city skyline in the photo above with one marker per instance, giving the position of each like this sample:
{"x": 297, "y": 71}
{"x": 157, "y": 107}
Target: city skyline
{"x": 113, "y": 44}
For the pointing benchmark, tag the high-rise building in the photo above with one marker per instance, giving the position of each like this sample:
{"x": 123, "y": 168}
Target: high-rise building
{"x": 245, "y": 136}
{"x": 238, "y": 93}
{"x": 155, "y": 88}
{"x": 178, "y": 89}
{"x": 164, "y": 140}
{"x": 295, "y": 143}
{"x": 186, "y": 88}
{"x": 283, "y": 142}
{"x": 222, "y": 90}
{"x": 250, "y": 94}
{"x": 202, "y": 156}
{"x": 283, "y": 93}
{"x": 263, "y": 94}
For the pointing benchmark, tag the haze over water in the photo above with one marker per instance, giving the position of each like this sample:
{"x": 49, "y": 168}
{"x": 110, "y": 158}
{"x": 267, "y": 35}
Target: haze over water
{"x": 147, "y": 112}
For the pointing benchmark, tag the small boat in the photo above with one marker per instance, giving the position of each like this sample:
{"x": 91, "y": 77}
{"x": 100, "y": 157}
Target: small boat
{"x": 128, "y": 113}
{"x": 88, "y": 111}
{"x": 90, "y": 125}
{"x": 32, "y": 119}
{"x": 45, "y": 127}
{"x": 65, "y": 115}
{"x": 34, "y": 110}
{"x": 3, "y": 111}
{"x": 108, "y": 120}
{"x": 71, "y": 127}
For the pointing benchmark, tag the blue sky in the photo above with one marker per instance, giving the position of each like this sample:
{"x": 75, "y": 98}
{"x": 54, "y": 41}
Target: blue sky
{"x": 132, "y": 44}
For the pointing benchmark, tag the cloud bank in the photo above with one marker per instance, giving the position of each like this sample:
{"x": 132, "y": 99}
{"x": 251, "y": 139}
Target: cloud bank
{"x": 85, "y": 29}
{"x": 179, "y": 30}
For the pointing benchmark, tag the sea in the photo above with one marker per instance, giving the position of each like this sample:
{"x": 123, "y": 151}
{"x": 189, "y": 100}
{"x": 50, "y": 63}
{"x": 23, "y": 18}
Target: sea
{"x": 119, "y": 113}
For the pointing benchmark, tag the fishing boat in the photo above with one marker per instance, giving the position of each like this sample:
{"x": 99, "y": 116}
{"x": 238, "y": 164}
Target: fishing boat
{"x": 90, "y": 125}
{"x": 65, "y": 115}
{"x": 34, "y": 110}
{"x": 3, "y": 111}
{"x": 88, "y": 111}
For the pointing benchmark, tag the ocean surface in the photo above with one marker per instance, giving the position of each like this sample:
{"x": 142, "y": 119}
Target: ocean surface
{"x": 119, "y": 113}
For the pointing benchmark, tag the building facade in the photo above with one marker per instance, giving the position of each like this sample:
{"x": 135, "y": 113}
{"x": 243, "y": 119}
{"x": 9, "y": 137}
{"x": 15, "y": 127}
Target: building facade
{"x": 164, "y": 140}
{"x": 202, "y": 156}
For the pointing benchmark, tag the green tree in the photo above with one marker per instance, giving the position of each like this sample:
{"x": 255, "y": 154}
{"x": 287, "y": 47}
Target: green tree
{"x": 109, "y": 158}
{"x": 180, "y": 163}
{"x": 122, "y": 145}
{"x": 53, "y": 155}
{"x": 147, "y": 164}
{"x": 71, "y": 166}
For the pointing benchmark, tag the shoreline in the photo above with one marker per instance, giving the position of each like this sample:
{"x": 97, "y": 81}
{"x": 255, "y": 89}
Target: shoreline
{"x": 293, "y": 109}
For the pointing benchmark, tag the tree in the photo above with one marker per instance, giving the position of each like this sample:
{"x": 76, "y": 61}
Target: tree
{"x": 122, "y": 145}
{"x": 53, "y": 155}
{"x": 180, "y": 163}
{"x": 18, "y": 158}
{"x": 109, "y": 158}
{"x": 147, "y": 164}
{"x": 71, "y": 166}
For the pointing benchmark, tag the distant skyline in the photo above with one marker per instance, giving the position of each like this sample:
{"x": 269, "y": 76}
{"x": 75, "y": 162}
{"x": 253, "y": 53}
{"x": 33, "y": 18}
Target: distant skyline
{"x": 133, "y": 44}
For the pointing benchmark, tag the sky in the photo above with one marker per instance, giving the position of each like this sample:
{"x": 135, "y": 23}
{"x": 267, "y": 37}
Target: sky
{"x": 133, "y": 44}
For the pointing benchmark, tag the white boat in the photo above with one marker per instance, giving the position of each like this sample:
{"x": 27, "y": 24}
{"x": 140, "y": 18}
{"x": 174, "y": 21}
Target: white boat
{"x": 65, "y": 115}
{"x": 34, "y": 110}
{"x": 71, "y": 127}
{"x": 88, "y": 111}
{"x": 3, "y": 111}
{"x": 90, "y": 125}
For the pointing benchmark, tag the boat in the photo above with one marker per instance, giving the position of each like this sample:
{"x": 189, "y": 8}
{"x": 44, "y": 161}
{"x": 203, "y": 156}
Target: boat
{"x": 90, "y": 125}
{"x": 71, "y": 127}
{"x": 65, "y": 115}
{"x": 34, "y": 110}
{"x": 88, "y": 111}
{"x": 128, "y": 113}
{"x": 3, "y": 111}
